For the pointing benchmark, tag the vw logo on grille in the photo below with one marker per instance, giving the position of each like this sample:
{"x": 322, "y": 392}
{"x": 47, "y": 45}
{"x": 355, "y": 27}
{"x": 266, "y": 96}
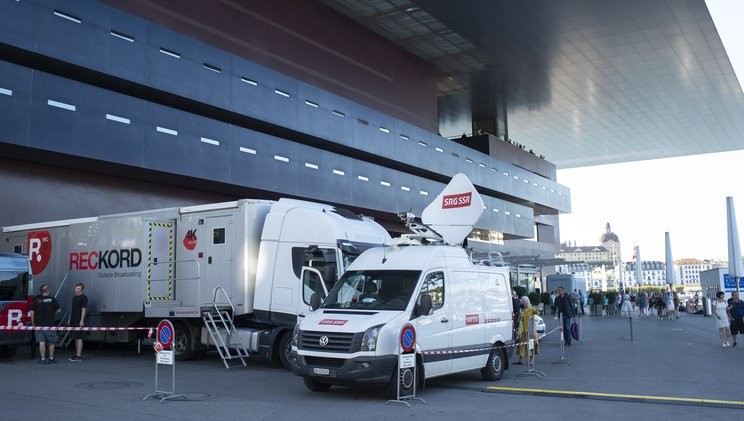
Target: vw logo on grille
{"x": 323, "y": 341}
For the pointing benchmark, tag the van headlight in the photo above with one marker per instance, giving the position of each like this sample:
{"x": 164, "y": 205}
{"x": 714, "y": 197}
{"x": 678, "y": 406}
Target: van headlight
{"x": 296, "y": 335}
{"x": 369, "y": 341}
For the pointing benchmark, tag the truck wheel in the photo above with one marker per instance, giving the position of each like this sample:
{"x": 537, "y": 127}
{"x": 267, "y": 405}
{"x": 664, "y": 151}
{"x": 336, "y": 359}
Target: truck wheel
{"x": 494, "y": 368}
{"x": 315, "y": 385}
{"x": 182, "y": 342}
{"x": 285, "y": 347}
{"x": 8, "y": 351}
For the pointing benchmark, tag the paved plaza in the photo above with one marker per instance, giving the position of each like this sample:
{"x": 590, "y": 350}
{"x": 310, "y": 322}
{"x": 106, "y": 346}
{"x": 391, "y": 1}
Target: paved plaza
{"x": 668, "y": 358}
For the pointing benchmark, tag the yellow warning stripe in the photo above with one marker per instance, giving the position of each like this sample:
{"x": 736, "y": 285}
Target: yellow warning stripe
{"x": 170, "y": 260}
{"x": 700, "y": 401}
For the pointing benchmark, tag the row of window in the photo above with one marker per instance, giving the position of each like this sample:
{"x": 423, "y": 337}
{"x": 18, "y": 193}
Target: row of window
{"x": 309, "y": 102}
{"x": 250, "y": 151}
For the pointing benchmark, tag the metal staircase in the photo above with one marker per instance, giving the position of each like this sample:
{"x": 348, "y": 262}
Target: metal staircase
{"x": 219, "y": 323}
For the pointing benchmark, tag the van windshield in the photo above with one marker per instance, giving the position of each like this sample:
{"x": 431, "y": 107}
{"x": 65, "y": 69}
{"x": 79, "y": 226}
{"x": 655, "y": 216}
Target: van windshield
{"x": 13, "y": 286}
{"x": 373, "y": 289}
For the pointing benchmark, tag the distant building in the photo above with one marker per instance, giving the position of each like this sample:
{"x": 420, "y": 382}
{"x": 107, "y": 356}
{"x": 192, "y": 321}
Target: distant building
{"x": 687, "y": 271}
{"x": 653, "y": 273}
{"x": 608, "y": 251}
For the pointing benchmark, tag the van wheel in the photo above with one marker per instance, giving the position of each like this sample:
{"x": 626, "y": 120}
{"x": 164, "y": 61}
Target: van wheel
{"x": 182, "y": 342}
{"x": 494, "y": 368}
{"x": 315, "y": 385}
{"x": 8, "y": 351}
{"x": 285, "y": 347}
{"x": 406, "y": 378}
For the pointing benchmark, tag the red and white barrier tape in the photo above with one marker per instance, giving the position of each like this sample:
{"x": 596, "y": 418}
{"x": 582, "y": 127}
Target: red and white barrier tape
{"x": 70, "y": 328}
{"x": 463, "y": 351}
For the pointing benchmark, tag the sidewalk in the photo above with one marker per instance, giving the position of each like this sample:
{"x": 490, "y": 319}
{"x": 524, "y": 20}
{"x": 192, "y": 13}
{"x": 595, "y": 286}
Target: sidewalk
{"x": 676, "y": 358}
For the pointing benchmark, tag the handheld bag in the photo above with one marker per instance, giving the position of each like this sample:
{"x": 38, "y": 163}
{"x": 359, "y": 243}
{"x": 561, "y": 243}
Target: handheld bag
{"x": 575, "y": 331}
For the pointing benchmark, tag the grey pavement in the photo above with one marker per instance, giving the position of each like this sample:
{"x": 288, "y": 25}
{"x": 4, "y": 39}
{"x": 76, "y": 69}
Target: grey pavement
{"x": 675, "y": 358}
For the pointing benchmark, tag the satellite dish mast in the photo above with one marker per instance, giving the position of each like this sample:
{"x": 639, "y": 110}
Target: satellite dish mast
{"x": 455, "y": 211}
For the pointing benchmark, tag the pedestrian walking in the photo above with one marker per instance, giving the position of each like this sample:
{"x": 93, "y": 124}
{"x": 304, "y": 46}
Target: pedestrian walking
{"x": 78, "y": 311}
{"x": 669, "y": 303}
{"x": 43, "y": 311}
{"x": 722, "y": 320}
{"x": 565, "y": 308}
{"x": 582, "y": 301}
{"x": 735, "y": 312}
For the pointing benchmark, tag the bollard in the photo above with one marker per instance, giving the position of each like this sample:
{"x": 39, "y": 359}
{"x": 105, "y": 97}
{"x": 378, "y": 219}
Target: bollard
{"x": 563, "y": 358}
{"x": 630, "y": 317}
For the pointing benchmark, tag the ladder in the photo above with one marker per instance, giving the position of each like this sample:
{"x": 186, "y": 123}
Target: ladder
{"x": 64, "y": 338}
{"x": 219, "y": 323}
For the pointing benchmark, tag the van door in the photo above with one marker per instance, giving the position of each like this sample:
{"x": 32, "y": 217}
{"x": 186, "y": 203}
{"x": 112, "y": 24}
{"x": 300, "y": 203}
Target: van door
{"x": 433, "y": 331}
{"x": 468, "y": 328}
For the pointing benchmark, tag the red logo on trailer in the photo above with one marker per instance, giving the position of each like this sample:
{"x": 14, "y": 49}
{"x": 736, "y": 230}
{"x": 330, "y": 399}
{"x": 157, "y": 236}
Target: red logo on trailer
{"x": 39, "y": 250}
{"x": 189, "y": 241}
{"x": 461, "y": 200}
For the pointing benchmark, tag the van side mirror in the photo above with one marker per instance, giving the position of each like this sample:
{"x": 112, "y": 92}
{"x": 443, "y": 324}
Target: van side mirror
{"x": 425, "y": 306}
{"x": 314, "y": 302}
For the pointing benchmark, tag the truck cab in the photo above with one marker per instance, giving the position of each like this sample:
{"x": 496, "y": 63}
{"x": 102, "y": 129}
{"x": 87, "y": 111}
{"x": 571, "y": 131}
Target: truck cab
{"x": 15, "y": 284}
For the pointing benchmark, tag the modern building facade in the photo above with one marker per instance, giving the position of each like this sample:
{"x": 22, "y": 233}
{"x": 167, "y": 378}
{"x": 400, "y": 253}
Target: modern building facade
{"x": 118, "y": 106}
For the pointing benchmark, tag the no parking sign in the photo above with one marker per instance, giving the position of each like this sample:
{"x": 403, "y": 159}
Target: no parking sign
{"x": 165, "y": 333}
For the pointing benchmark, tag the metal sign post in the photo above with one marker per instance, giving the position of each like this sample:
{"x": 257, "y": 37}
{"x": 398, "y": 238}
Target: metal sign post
{"x": 165, "y": 356}
{"x": 406, "y": 383}
{"x": 531, "y": 371}
{"x": 563, "y": 358}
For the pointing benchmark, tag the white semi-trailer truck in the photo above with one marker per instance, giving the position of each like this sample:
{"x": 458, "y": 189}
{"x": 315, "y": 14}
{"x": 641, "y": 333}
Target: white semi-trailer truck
{"x": 141, "y": 267}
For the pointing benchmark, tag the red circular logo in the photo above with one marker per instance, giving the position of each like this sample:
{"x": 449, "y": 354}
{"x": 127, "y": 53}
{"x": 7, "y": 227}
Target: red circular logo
{"x": 39, "y": 248}
{"x": 189, "y": 241}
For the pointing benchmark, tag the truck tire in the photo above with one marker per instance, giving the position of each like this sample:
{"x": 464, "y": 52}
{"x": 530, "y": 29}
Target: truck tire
{"x": 183, "y": 342}
{"x": 8, "y": 351}
{"x": 494, "y": 368}
{"x": 285, "y": 347}
{"x": 315, "y": 385}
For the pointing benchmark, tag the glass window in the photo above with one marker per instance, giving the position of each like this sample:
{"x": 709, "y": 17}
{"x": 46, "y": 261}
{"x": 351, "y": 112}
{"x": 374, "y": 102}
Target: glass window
{"x": 13, "y": 286}
{"x": 322, "y": 259}
{"x": 373, "y": 289}
{"x": 311, "y": 285}
{"x": 218, "y": 236}
{"x": 433, "y": 285}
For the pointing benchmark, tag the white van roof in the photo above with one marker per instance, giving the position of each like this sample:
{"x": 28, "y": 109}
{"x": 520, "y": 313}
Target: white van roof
{"x": 411, "y": 258}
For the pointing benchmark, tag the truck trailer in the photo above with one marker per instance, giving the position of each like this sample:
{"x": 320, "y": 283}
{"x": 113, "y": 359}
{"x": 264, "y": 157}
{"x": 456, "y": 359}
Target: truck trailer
{"x": 243, "y": 258}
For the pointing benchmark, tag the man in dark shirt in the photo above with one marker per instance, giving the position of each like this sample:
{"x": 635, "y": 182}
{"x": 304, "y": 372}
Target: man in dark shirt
{"x": 735, "y": 312}
{"x": 78, "y": 312}
{"x": 565, "y": 308}
{"x": 43, "y": 311}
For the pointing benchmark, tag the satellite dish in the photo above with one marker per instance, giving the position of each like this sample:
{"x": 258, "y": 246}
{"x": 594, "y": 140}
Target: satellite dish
{"x": 455, "y": 211}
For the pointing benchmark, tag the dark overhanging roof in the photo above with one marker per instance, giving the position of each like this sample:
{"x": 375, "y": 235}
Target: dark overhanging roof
{"x": 586, "y": 82}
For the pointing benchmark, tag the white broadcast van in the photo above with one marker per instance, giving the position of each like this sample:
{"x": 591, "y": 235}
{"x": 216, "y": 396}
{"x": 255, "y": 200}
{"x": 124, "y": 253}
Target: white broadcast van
{"x": 244, "y": 257}
{"x": 461, "y": 312}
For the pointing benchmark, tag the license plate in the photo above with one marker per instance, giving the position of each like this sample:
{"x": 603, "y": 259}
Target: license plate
{"x": 322, "y": 371}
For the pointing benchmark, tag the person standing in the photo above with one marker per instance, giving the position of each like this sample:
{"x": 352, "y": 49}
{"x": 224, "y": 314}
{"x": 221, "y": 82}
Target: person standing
{"x": 524, "y": 333}
{"x": 78, "y": 311}
{"x": 669, "y": 303}
{"x": 43, "y": 311}
{"x": 735, "y": 312}
{"x": 582, "y": 301}
{"x": 517, "y": 306}
{"x": 642, "y": 303}
{"x": 722, "y": 321}
{"x": 564, "y": 308}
